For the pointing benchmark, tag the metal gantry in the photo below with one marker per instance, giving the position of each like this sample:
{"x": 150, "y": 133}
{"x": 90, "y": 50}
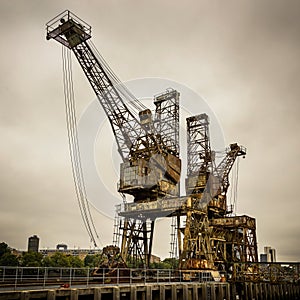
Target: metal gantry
{"x": 138, "y": 230}
{"x": 199, "y": 154}
{"x": 167, "y": 118}
{"x": 211, "y": 238}
{"x": 208, "y": 237}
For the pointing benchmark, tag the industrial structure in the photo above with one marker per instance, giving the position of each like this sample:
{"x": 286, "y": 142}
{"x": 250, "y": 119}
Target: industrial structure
{"x": 205, "y": 232}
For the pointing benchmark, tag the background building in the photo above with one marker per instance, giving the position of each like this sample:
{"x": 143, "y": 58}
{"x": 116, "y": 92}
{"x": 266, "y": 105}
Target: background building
{"x": 269, "y": 255}
{"x": 63, "y": 248}
{"x": 33, "y": 243}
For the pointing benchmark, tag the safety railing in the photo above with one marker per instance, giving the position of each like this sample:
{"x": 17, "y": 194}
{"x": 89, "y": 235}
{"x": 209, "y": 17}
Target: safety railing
{"x": 14, "y": 278}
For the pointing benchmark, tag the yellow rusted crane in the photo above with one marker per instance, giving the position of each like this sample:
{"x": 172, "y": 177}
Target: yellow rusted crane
{"x": 208, "y": 236}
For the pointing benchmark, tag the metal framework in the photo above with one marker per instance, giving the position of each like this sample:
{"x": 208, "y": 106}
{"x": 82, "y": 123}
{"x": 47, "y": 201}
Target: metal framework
{"x": 174, "y": 238}
{"x": 240, "y": 238}
{"x": 199, "y": 154}
{"x": 136, "y": 246}
{"x": 150, "y": 169}
{"x": 208, "y": 238}
{"x": 137, "y": 237}
{"x": 74, "y": 34}
{"x": 266, "y": 272}
{"x": 223, "y": 169}
{"x": 167, "y": 119}
{"x": 195, "y": 239}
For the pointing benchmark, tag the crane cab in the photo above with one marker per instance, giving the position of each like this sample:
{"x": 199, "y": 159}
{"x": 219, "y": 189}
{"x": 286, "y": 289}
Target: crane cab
{"x": 68, "y": 29}
{"x": 146, "y": 118}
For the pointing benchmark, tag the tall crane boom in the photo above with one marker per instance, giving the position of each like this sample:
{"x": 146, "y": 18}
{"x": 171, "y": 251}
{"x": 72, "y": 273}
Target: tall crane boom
{"x": 73, "y": 33}
{"x": 124, "y": 124}
{"x": 223, "y": 169}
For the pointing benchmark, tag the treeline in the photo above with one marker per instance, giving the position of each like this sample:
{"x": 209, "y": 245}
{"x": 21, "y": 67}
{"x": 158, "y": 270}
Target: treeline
{"x": 35, "y": 259}
{"x": 62, "y": 260}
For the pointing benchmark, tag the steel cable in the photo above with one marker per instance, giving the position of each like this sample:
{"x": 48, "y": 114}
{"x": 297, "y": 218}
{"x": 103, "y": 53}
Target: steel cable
{"x": 132, "y": 100}
{"x": 74, "y": 147}
{"x": 236, "y": 184}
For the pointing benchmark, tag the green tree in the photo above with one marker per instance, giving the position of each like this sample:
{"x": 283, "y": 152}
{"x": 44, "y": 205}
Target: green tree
{"x": 61, "y": 260}
{"x": 172, "y": 263}
{"x": 4, "y": 249}
{"x": 9, "y": 259}
{"x": 75, "y": 262}
{"x": 6, "y": 257}
{"x": 89, "y": 261}
{"x": 31, "y": 259}
{"x": 58, "y": 259}
{"x": 167, "y": 263}
{"x": 93, "y": 261}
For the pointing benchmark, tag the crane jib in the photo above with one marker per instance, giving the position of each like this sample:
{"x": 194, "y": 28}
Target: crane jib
{"x": 73, "y": 33}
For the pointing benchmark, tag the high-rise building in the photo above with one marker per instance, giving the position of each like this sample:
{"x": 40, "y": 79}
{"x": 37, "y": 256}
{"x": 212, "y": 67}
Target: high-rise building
{"x": 263, "y": 258}
{"x": 33, "y": 243}
{"x": 269, "y": 255}
{"x": 273, "y": 255}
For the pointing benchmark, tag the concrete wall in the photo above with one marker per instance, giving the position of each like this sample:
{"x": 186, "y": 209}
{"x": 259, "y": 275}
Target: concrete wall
{"x": 172, "y": 291}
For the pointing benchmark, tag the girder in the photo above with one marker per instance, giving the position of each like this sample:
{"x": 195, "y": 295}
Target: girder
{"x": 223, "y": 169}
{"x": 124, "y": 124}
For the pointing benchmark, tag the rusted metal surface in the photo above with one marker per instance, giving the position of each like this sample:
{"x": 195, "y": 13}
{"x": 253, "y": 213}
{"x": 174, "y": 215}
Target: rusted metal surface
{"x": 209, "y": 237}
{"x": 236, "y": 221}
{"x": 281, "y": 272}
{"x": 149, "y": 147}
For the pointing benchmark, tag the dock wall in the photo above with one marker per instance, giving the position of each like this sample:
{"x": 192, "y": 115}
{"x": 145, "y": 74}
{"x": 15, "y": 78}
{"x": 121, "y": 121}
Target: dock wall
{"x": 170, "y": 291}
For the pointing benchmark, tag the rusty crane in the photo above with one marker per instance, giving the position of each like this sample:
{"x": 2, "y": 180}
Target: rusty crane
{"x": 208, "y": 236}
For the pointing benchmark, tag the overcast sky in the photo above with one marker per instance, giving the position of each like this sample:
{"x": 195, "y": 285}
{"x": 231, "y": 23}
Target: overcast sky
{"x": 241, "y": 56}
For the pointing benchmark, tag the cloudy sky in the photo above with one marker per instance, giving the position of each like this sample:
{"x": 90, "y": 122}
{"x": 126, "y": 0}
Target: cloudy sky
{"x": 241, "y": 56}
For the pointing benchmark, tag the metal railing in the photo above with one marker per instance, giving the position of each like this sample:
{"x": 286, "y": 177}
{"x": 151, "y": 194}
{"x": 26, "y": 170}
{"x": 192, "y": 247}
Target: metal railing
{"x": 14, "y": 278}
